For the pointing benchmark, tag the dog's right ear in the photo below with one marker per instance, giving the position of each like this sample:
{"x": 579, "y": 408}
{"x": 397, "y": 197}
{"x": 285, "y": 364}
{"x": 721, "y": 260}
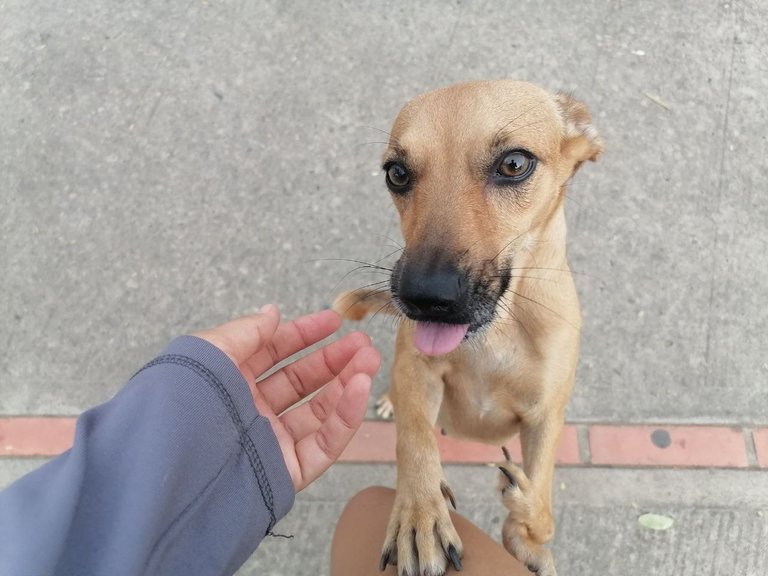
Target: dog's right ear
{"x": 581, "y": 141}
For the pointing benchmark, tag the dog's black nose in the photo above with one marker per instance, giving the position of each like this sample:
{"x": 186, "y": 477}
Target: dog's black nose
{"x": 431, "y": 292}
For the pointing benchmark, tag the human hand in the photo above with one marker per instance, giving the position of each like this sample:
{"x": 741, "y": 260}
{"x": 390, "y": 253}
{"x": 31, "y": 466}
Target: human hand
{"x": 313, "y": 434}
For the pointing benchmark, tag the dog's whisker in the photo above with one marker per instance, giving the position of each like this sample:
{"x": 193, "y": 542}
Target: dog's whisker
{"x": 506, "y": 134}
{"x": 544, "y": 268}
{"x": 394, "y": 242}
{"x": 366, "y": 294}
{"x": 505, "y": 304}
{"x": 578, "y": 203}
{"x": 469, "y": 248}
{"x": 382, "y": 283}
{"x": 547, "y": 308}
{"x": 392, "y": 139}
{"x": 385, "y": 306}
{"x": 395, "y": 251}
{"x": 377, "y": 129}
{"x": 379, "y": 142}
{"x": 518, "y": 277}
{"x": 498, "y": 136}
{"x": 507, "y": 245}
{"x": 370, "y": 293}
{"x": 396, "y": 320}
{"x": 370, "y": 267}
{"x": 362, "y": 263}
{"x": 357, "y": 269}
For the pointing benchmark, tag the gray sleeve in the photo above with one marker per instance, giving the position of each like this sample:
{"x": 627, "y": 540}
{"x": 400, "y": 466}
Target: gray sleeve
{"x": 177, "y": 474}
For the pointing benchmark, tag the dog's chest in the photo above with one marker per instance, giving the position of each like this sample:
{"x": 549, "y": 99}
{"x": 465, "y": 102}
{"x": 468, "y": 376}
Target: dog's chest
{"x": 478, "y": 402}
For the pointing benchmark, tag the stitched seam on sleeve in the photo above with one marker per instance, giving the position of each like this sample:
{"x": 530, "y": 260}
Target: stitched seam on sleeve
{"x": 244, "y": 439}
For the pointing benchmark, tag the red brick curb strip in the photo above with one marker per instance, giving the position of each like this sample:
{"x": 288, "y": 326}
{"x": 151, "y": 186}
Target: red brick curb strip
{"x": 687, "y": 446}
{"x": 375, "y": 442}
{"x": 36, "y": 436}
{"x": 609, "y": 445}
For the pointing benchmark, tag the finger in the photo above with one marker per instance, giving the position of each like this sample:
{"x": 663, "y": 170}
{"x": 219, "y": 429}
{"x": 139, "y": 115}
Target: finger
{"x": 318, "y": 451}
{"x": 290, "y": 384}
{"x": 242, "y": 338}
{"x": 309, "y": 416}
{"x": 293, "y": 336}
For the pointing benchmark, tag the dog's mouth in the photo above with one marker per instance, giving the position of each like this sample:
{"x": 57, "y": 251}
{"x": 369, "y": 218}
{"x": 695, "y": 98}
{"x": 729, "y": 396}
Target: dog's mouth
{"x": 441, "y": 330}
{"x": 449, "y": 303}
{"x": 437, "y": 338}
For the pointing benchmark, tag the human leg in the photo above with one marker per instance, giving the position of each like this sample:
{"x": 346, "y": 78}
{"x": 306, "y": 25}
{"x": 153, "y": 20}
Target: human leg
{"x": 360, "y": 532}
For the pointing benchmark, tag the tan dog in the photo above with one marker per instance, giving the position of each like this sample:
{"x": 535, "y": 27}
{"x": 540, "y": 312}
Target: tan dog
{"x": 478, "y": 172}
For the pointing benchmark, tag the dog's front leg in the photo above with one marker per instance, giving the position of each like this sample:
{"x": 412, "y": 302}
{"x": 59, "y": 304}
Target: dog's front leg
{"x": 527, "y": 493}
{"x": 420, "y": 536}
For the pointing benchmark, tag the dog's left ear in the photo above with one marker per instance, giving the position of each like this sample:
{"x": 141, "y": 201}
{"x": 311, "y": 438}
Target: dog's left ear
{"x": 581, "y": 141}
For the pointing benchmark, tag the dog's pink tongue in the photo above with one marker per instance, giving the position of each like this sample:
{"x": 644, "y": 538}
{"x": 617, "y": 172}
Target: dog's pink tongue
{"x": 434, "y": 339}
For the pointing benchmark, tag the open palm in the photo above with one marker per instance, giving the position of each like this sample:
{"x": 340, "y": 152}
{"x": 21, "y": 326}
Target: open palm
{"x": 312, "y": 434}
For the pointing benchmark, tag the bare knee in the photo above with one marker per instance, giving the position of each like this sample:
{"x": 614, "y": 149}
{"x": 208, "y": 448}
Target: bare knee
{"x": 372, "y": 494}
{"x": 359, "y": 532}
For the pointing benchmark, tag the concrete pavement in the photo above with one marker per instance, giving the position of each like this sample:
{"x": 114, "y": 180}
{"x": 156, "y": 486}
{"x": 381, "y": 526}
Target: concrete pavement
{"x": 162, "y": 169}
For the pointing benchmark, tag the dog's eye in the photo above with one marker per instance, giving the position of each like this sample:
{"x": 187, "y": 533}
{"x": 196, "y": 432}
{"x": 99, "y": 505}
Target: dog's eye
{"x": 398, "y": 178}
{"x": 515, "y": 166}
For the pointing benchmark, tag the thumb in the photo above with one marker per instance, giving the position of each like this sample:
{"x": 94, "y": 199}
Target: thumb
{"x": 242, "y": 338}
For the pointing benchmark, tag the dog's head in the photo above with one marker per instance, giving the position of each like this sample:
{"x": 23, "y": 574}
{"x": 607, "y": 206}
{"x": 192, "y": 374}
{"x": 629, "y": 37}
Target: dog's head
{"x": 476, "y": 171}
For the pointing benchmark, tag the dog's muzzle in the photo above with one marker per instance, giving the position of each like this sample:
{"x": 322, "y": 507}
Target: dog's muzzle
{"x": 443, "y": 299}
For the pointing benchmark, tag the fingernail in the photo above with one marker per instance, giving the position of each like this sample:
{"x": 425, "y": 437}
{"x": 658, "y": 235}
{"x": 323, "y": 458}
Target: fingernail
{"x": 266, "y": 308}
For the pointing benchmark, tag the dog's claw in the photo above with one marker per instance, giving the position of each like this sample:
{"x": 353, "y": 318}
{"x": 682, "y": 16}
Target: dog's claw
{"x": 384, "y": 408}
{"x": 453, "y": 554}
{"x": 532, "y": 568}
{"x": 384, "y": 560}
{"x": 506, "y": 453}
{"x": 448, "y": 493}
{"x": 509, "y": 476}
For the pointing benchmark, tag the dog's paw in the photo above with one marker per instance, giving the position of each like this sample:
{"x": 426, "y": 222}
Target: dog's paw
{"x": 529, "y": 524}
{"x": 384, "y": 408}
{"x": 537, "y": 559}
{"x": 421, "y": 539}
{"x": 525, "y": 505}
